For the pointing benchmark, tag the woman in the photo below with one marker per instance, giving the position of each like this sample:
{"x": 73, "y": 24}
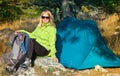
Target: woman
{"x": 42, "y": 41}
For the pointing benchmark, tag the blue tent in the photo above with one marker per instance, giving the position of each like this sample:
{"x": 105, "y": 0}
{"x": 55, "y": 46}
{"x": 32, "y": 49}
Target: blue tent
{"x": 80, "y": 45}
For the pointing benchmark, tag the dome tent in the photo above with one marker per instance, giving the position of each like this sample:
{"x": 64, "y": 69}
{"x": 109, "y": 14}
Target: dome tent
{"x": 80, "y": 45}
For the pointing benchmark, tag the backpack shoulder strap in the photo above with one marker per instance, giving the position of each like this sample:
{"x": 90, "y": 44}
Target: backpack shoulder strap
{"x": 26, "y": 38}
{"x": 24, "y": 43}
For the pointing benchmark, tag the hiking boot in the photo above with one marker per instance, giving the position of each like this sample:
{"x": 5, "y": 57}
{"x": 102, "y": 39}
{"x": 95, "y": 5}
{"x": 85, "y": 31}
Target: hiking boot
{"x": 10, "y": 70}
{"x": 27, "y": 63}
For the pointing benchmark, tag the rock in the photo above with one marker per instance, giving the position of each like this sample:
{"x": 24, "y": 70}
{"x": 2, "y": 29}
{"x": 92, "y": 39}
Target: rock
{"x": 25, "y": 72}
{"x": 99, "y": 68}
{"x": 47, "y": 62}
{"x": 57, "y": 73}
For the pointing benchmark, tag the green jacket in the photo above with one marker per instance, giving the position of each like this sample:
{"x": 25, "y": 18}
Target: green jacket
{"x": 46, "y": 36}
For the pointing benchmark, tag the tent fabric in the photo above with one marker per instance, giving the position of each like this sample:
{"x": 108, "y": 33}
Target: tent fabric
{"x": 80, "y": 45}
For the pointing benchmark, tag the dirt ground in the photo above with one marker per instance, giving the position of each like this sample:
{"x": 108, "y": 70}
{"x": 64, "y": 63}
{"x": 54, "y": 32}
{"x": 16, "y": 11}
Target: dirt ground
{"x": 93, "y": 72}
{"x": 87, "y": 72}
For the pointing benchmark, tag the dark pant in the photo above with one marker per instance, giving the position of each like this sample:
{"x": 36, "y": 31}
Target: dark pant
{"x": 34, "y": 50}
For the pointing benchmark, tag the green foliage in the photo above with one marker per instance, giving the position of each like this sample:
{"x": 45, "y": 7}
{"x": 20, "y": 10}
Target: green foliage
{"x": 9, "y": 11}
{"x": 112, "y": 4}
{"x": 109, "y": 5}
{"x": 48, "y": 3}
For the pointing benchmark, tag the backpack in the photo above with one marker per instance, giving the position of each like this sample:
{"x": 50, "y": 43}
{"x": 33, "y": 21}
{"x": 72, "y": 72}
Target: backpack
{"x": 19, "y": 46}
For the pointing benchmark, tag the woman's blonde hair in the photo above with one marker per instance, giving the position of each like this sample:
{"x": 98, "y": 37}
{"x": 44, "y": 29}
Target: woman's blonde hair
{"x": 51, "y": 19}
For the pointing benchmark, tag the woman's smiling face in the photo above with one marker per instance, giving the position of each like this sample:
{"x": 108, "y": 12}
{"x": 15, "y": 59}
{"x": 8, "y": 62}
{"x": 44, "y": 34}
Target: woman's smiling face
{"x": 45, "y": 18}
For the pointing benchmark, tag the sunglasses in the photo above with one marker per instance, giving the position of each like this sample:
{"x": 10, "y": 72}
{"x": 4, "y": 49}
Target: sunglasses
{"x": 43, "y": 17}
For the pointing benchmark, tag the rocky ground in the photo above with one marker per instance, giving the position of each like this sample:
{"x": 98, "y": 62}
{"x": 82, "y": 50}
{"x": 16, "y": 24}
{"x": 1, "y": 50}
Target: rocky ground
{"x": 45, "y": 66}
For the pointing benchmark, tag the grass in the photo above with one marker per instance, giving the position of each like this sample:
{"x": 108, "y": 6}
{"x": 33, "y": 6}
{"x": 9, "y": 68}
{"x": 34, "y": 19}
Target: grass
{"x": 114, "y": 44}
{"x": 108, "y": 29}
{"x": 2, "y": 70}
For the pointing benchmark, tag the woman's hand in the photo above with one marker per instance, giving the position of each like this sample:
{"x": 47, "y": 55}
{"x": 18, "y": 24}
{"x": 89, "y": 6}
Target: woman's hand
{"x": 16, "y": 32}
{"x": 55, "y": 59}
